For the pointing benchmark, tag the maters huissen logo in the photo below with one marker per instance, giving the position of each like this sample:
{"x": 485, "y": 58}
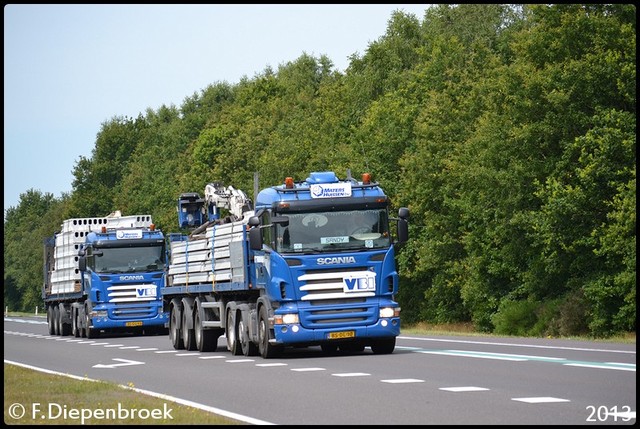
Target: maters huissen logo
{"x": 331, "y": 190}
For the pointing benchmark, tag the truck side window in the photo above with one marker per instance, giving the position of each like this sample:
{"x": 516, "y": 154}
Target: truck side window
{"x": 267, "y": 237}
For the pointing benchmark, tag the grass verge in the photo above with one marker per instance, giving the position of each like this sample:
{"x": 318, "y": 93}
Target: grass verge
{"x": 33, "y": 397}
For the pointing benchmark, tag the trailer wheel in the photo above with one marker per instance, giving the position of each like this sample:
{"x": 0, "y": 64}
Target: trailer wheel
{"x": 232, "y": 335}
{"x": 383, "y": 346}
{"x": 206, "y": 339}
{"x": 266, "y": 349}
{"x": 188, "y": 335}
{"x": 174, "y": 329}
{"x": 75, "y": 331}
{"x": 56, "y": 320}
{"x": 65, "y": 328}
{"x": 50, "y": 321}
{"x": 247, "y": 346}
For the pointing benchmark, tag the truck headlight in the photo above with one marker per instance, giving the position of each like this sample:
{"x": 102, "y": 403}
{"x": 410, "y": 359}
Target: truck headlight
{"x": 387, "y": 312}
{"x": 286, "y": 319}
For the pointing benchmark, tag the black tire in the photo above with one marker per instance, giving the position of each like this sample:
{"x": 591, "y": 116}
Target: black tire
{"x": 91, "y": 332}
{"x": 50, "y": 321}
{"x": 56, "y": 320}
{"x": 329, "y": 348}
{"x": 65, "y": 328}
{"x": 233, "y": 344}
{"x": 247, "y": 346}
{"x": 266, "y": 350}
{"x": 75, "y": 330}
{"x": 188, "y": 335}
{"x": 206, "y": 339}
{"x": 383, "y": 346}
{"x": 175, "y": 335}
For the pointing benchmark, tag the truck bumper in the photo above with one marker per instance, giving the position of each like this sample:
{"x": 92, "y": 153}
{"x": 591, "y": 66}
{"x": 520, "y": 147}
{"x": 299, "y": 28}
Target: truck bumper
{"x": 296, "y": 334}
{"x": 106, "y": 323}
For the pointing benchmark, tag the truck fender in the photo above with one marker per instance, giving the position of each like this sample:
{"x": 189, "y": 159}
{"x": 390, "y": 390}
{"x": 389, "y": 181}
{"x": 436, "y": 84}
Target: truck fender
{"x": 187, "y": 308}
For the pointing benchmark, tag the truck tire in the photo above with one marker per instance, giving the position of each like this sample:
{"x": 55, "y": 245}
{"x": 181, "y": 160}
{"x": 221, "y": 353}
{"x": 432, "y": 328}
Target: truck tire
{"x": 188, "y": 334}
{"x": 247, "y": 346}
{"x": 56, "y": 320}
{"x": 233, "y": 344}
{"x": 206, "y": 339}
{"x": 383, "y": 346}
{"x": 65, "y": 328}
{"x": 50, "y": 321}
{"x": 175, "y": 334}
{"x": 75, "y": 330}
{"x": 266, "y": 349}
{"x": 89, "y": 331}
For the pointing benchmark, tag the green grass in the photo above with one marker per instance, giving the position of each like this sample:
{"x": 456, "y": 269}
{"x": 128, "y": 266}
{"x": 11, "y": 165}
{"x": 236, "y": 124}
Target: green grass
{"x": 56, "y": 399}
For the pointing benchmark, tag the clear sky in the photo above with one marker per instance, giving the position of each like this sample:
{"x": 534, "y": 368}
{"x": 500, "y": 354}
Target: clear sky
{"x": 70, "y": 68}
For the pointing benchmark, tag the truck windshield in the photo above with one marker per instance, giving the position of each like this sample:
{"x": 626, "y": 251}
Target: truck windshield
{"x": 335, "y": 230}
{"x": 127, "y": 260}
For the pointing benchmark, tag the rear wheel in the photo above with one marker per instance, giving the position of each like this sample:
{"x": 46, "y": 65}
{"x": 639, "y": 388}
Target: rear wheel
{"x": 248, "y": 347}
{"x": 56, "y": 320}
{"x": 174, "y": 329}
{"x": 206, "y": 339}
{"x": 51, "y": 321}
{"x": 75, "y": 330}
{"x": 232, "y": 335}
{"x": 188, "y": 336}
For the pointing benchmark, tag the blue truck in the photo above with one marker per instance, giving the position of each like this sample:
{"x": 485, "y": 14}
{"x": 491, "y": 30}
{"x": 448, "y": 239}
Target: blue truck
{"x": 105, "y": 274}
{"x": 312, "y": 264}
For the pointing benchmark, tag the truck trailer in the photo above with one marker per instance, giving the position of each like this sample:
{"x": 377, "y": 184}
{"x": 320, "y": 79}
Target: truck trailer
{"x": 105, "y": 274}
{"x": 312, "y": 264}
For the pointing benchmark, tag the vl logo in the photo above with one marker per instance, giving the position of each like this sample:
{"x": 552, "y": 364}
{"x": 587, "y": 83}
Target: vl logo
{"x": 360, "y": 282}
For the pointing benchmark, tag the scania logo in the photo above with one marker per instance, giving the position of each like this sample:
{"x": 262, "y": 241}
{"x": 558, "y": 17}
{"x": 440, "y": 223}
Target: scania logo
{"x": 125, "y": 278}
{"x": 337, "y": 260}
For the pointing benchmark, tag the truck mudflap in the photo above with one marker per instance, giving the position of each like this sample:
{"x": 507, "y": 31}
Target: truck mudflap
{"x": 291, "y": 334}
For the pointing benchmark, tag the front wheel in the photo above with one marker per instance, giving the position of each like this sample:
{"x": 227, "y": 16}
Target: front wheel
{"x": 266, "y": 349}
{"x": 383, "y": 346}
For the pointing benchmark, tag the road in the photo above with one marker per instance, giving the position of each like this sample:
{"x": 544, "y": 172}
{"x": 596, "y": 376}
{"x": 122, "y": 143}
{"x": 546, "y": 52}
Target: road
{"x": 428, "y": 380}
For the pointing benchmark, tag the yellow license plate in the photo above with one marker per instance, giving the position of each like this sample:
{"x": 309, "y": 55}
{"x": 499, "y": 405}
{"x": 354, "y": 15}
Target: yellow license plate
{"x": 343, "y": 334}
{"x": 133, "y": 324}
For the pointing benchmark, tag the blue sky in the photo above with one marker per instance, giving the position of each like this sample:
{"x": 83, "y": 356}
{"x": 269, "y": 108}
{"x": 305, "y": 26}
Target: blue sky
{"x": 70, "y": 68}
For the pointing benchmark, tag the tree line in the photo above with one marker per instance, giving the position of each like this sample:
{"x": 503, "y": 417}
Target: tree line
{"x": 508, "y": 130}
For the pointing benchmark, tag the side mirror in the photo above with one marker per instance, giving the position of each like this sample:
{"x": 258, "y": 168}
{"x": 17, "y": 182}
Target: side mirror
{"x": 82, "y": 263}
{"x": 255, "y": 238}
{"x": 403, "y": 225}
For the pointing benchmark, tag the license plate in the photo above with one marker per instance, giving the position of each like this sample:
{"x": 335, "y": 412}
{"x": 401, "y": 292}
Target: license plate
{"x": 343, "y": 334}
{"x": 133, "y": 323}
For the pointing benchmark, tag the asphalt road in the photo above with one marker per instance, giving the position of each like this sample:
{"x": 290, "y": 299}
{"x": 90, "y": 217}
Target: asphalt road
{"x": 428, "y": 380}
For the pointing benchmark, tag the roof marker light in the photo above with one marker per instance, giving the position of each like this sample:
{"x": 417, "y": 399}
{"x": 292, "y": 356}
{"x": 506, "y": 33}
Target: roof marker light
{"x": 288, "y": 183}
{"x": 366, "y": 178}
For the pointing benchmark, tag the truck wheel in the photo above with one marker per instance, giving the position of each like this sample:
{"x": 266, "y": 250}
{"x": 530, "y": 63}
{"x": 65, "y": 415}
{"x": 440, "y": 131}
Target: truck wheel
{"x": 329, "y": 348}
{"x": 266, "y": 350}
{"x": 56, "y": 320}
{"x": 65, "y": 328}
{"x": 206, "y": 339}
{"x": 383, "y": 346}
{"x": 91, "y": 332}
{"x": 247, "y": 346}
{"x": 50, "y": 321}
{"x": 174, "y": 329}
{"x": 188, "y": 336}
{"x": 232, "y": 335}
{"x": 75, "y": 331}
